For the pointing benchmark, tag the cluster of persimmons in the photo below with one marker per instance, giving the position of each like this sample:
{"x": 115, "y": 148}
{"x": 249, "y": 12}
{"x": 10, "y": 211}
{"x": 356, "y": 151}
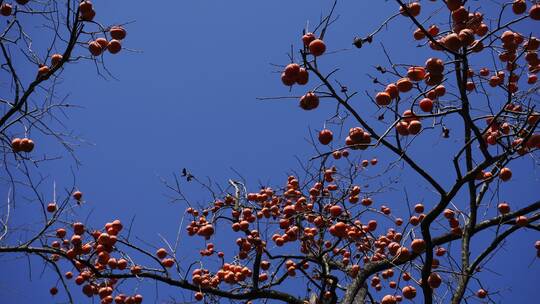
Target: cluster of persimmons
{"x": 96, "y": 47}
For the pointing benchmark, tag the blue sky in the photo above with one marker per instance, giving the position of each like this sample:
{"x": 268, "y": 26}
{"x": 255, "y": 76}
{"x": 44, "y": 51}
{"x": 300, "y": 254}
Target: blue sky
{"x": 187, "y": 98}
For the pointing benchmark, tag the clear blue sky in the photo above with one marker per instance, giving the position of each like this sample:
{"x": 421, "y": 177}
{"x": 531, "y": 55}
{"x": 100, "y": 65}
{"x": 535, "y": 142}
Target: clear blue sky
{"x": 188, "y": 99}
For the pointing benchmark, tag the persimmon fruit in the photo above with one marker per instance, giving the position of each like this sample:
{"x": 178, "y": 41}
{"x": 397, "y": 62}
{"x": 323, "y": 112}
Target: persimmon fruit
{"x": 161, "y": 253}
{"x": 325, "y": 136}
{"x": 309, "y": 101}
{"x": 117, "y": 32}
{"x": 56, "y": 59}
{"x": 404, "y": 85}
{"x": 505, "y": 174}
{"x": 308, "y": 38}
{"x": 95, "y": 48}
{"x": 416, "y": 73}
{"x": 77, "y": 195}
{"x": 534, "y": 12}
{"x": 51, "y": 207}
{"x": 6, "y": 9}
{"x": 409, "y": 292}
{"x": 383, "y": 99}
{"x": 426, "y": 105}
{"x": 317, "y": 47}
{"x": 114, "y": 46}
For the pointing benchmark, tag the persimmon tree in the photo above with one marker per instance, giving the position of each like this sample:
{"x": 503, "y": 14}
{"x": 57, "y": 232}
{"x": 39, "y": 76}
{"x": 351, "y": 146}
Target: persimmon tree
{"x": 325, "y": 228}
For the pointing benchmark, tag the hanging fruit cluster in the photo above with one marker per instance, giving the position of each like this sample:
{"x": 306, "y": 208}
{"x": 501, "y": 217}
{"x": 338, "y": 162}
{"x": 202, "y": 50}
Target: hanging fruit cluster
{"x": 22, "y": 145}
{"x": 293, "y": 73}
{"x": 358, "y": 139}
{"x": 94, "y": 249}
{"x": 99, "y": 45}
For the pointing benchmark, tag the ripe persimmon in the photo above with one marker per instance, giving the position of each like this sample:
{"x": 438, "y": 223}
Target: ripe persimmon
{"x": 534, "y": 12}
{"x": 43, "y": 71}
{"x": 292, "y": 70}
{"x": 117, "y": 32}
{"x": 199, "y": 296}
{"x": 419, "y": 34}
{"x": 418, "y": 245}
{"x": 409, "y": 292}
{"x": 484, "y": 72}
{"x": 431, "y": 94}
{"x": 167, "y": 263}
{"x": 95, "y": 48}
{"x": 389, "y": 299}
{"x": 103, "y": 43}
{"x": 434, "y": 65}
{"x": 85, "y": 6}
{"x": 401, "y": 128}
{"x": 303, "y": 77}
{"x": 121, "y": 264}
{"x": 416, "y": 73}
{"x": 336, "y": 210}
{"x": 409, "y": 116}
{"x": 288, "y": 81}
{"x": 452, "y": 42}
{"x": 367, "y": 201}
{"x": 60, "y": 233}
{"x": 317, "y": 47}
{"x": 505, "y": 174}
{"x": 161, "y": 253}
{"x": 16, "y": 144}
{"x": 392, "y": 90}
{"x": 26, "y": 145}
{"x": 433, "y": 30}
{"x": 470, "y": 86}
{"x": 434, "y": 280}
{"x": 522, "y": 221}
{"x": 137, "y": 299}
{"x": 51, "y": 207}
{"x": 325, "y": 136}
{"x": 404, "y": 85}
{"x": 114, "y": 46}
{"x": 503, "y": 208}
{"x": 440, "y": 90}
{"x": 308, "y": 38}
{"x": 383, "y": 99}
{"x": 507, "y": 37}
{"x": 88, "y": 16}
{"x": 53, "y": 291}
{"x": 481, "y": 30}
{"x": 309, "y": 101}
{"x": 426, "y": 105}
{"x": 86, "y": 9}
{"x": 414, "y": 127}
{"x": 481, "y": 293}
{"x": 5, "y": 9}
{"x": 55, "y": 59}
{"x": 77, "y": 195}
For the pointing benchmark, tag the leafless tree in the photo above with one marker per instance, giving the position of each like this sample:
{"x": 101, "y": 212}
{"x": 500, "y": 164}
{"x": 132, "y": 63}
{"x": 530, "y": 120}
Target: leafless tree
{"x": 322, "y": 229}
